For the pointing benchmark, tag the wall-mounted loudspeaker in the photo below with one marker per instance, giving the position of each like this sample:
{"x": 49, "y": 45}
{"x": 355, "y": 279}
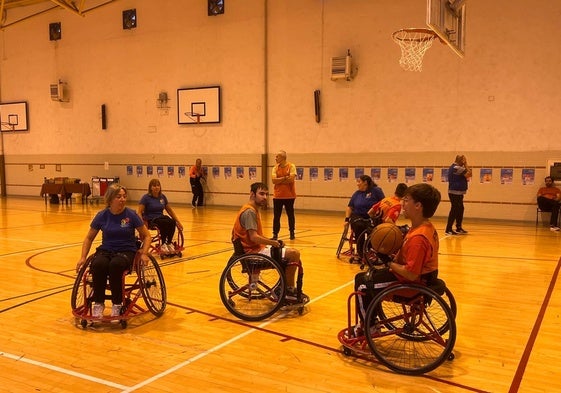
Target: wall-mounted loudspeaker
{"x": 129, "y": 19}
{"x": 103, "y": 118}
{"x": 55, "y": 31}
{"x": 317, "y": 106}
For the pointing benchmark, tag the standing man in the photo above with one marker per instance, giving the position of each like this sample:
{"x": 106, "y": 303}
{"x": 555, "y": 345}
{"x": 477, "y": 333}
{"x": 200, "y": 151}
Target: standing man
{"x": 284, "y": 194}
{"x": 548, "y": 201}
{"x": 458, "y": 175}
{"x": 195, "y": 175}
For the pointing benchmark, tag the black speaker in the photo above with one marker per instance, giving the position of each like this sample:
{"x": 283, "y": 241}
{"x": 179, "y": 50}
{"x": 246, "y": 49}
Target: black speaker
{"x": 317, "y": 106}
{"x": 215, "y": 7}
{"x": 55, "y": 31}
{"x": 103, "y": 118}
{"x": 129, "y": 19}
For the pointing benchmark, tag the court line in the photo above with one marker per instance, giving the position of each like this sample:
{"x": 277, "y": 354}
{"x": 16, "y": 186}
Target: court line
{"x": 224, "y": 344}
{"x": 519, "y": 375}
{"x": 63, "y": 370}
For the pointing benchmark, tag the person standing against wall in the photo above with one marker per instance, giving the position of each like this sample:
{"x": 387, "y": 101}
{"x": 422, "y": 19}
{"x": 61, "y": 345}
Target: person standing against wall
{"x": 458, "y": 175}
{"x": 196, "y": 174}
{"x": 284, "y": 194}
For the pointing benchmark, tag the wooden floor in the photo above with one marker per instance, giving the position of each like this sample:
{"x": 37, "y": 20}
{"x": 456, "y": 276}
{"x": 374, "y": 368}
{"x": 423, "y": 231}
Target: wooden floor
{"x": 502, "y": 274}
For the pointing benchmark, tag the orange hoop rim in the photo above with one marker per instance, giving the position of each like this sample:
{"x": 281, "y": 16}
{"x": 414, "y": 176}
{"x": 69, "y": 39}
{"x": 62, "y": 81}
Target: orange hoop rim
{"x": 430, "y": 34}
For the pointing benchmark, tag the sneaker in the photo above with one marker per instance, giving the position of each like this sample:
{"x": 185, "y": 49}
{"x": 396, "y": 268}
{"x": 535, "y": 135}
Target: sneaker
{"x": 292, "y": 298}
{"x": 451, "y": 232}
{"x": 97, "y": 310}
{"x": 194, "y": 206}
{"x": 554, "y": 229}
{"x": 164, "y": 248}
{"x": 292, "y": 237}
{"x": 461, "y": 231}
{"x": 171, "y": 248}
{"x": 116, "y": 310}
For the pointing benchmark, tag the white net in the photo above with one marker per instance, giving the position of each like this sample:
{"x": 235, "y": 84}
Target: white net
{"x": 413, "y": 43}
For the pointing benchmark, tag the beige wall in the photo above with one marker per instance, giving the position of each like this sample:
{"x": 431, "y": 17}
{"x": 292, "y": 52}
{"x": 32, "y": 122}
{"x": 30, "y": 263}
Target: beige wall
{"x": 497, "y": 105}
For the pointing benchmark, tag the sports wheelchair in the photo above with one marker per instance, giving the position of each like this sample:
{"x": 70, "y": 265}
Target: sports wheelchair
{"x": 253, "y": 286}
{"x": 348, "y": 236}
{"x": 409, "y": 328}
{"x": 156, "y": 242}
{"x": 142, "y": 280}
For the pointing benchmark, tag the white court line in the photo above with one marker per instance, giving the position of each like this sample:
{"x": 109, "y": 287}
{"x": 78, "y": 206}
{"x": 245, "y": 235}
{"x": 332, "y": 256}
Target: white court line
{"x": 62, "y": 370}
{"x": 224, "y": 344}
{"x": 126, "y": 389}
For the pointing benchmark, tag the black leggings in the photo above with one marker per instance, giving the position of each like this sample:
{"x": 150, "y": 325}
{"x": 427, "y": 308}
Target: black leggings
{"x": 277, "y": 212}
{"x": 113, "y": 265}
{"x": 166, "y": 225}
{"x": 456, "y": 211}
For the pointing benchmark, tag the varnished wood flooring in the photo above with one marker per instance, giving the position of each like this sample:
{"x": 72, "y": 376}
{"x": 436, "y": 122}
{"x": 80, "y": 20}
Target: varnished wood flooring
{"x": 503, "y": 275}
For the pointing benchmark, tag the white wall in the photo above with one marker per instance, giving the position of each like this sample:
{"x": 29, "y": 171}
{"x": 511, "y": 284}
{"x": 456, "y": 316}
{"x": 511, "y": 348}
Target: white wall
{"x": 497, "y": 105}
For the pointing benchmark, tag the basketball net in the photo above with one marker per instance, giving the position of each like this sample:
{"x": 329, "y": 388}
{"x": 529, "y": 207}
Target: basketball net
{"x": 413, "y": 43}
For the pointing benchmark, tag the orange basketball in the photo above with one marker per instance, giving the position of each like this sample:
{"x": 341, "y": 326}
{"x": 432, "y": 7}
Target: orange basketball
{"x": 386, "y": 238}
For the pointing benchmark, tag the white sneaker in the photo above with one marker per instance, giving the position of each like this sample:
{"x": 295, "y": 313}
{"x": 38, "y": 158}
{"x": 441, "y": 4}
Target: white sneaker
{"x": 97, "y": 310}
{"x": 554, "y": 229}
{"x": 164, "y": 248}
{"x": 171, "y": 248}
{"x": 116, "y": 310}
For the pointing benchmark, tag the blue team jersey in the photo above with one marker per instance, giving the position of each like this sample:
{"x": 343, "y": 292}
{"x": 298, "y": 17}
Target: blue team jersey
{"x": 118, "y": 231}
{"x": 362, "y": 201}
{"x": 153, "y": 206}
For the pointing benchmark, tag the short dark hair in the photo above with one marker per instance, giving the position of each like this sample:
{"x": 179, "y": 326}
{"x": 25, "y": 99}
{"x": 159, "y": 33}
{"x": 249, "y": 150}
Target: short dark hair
{"x": 258, "y": 186}
{"x": 426, "y": 195}
{"x": 400, "y": 190}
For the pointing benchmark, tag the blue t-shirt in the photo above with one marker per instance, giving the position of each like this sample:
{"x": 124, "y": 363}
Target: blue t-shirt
{"x": 362, "y": 201}
{"x": 153, "y": 206}
{"x": 118, "y": 230}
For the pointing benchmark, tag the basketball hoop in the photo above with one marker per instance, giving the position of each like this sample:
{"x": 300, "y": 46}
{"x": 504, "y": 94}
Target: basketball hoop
{"x": 413, "y": 43}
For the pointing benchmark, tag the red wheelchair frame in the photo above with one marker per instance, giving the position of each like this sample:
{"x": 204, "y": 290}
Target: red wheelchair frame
{"x": 143, "y": 280}
{"x": 156, "y": 242}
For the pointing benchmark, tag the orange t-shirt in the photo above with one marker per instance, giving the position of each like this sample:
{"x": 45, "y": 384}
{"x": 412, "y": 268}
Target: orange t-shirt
{"x": 239, "y": 232}
{"x": 284, "y": 190}
{"x": 419, "y": 252}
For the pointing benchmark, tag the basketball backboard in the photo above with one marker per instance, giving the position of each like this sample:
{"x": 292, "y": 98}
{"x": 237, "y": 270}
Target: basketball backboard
{"x": 447, "y": 18}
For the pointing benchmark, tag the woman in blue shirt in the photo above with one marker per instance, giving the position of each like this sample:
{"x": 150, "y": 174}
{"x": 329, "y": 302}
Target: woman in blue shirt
{"x": 151, "y": 208}
{"x": 118, "y": 248}
{"x": 367, "y": 195}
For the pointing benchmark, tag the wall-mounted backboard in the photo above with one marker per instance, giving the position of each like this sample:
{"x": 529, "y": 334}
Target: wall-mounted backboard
{"x": 14, "y": 116}
{"x": 447, "y": 18}
{"x": 198, "y": 105}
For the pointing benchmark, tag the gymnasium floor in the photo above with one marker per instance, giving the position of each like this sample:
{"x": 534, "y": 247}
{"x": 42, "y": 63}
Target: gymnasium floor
{"x": 503, "y": 275}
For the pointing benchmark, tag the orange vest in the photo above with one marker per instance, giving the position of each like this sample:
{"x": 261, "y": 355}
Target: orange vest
{"x": 390, "y": 207}
{"x": 239, "y": 232}
{"x": 416, "y": 260}
{"x": 284, "y": 191}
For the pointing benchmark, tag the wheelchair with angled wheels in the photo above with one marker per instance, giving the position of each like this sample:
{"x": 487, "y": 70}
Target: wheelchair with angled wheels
{"x": 253, "y": 286}
{"x": 410, "y": 328}
{"x": 156, "y": 242}
{"x": 143, "y": 281}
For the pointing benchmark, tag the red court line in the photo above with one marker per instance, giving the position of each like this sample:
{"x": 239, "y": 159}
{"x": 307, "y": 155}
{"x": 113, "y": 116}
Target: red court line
{"x": 515, "y": 385}
{"x": 287, "y": 337}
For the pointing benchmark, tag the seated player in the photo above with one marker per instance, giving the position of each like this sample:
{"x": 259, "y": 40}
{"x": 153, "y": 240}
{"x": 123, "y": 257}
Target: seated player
{"x": 249, "y": 231}
{"x": 549, "y": 199}
{"x": 417, "y": 260}
{"x": 118, "y": 248}
{"x": 389, "y": 208}
{"x": 151, "y": 208}
{"x": 356, "y": 214}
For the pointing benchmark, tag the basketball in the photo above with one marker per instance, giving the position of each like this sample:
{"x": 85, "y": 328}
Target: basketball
{"x": 386, "y": 238}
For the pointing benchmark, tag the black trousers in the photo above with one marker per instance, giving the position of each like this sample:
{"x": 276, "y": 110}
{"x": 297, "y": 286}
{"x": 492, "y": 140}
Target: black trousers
{"x": 113, "y": 265}
{"x": 550, "y": 205}
{"x": 277, "y": 211}
{"x": 371, "y": 283}
{"x": 456, "y": 211}
{"x": 359, "y": 225}
{"x": 166, "y": 226}
{"x": 198, "y": 193}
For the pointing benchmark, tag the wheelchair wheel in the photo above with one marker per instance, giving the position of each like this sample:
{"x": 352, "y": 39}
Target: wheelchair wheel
{"x": 344, "y": 238}
{"x": 152, "y": 285}
{"x": 412, "y": 329}
{"x": 252, "y": 287}
{"x": 82, "y": 292}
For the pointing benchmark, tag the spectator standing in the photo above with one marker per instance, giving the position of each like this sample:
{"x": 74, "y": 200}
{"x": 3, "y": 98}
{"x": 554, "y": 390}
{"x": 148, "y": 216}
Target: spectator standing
{"x": 196, "y": 175}
{"x": 458, "y": 175}
{"x": 284, "y": 193}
